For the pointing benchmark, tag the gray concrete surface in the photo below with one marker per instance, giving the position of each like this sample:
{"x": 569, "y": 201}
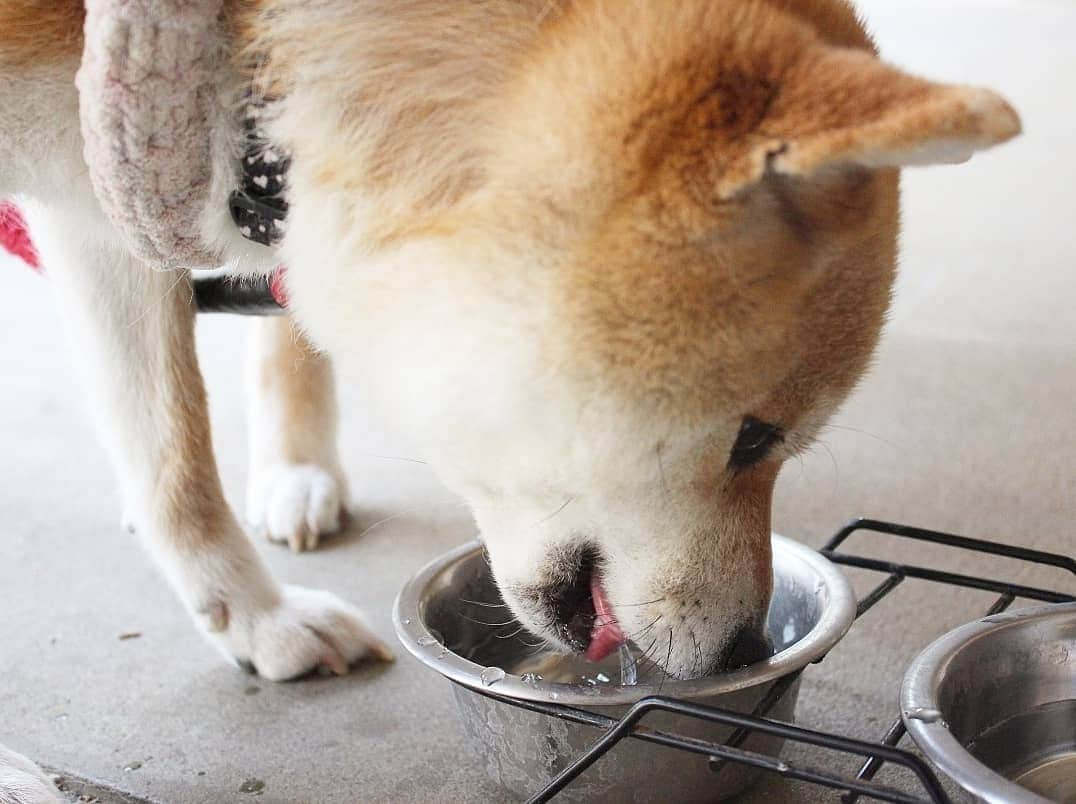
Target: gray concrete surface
{"x": 966, "y": 423}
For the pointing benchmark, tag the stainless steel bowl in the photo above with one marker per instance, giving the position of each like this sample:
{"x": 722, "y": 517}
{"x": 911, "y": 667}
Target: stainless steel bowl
{"x": 993, "y": 704}
{"x": 441, "y": 617}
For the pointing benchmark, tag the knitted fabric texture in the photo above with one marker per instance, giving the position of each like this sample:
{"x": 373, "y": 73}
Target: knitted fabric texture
{"x": 147, "y": 88}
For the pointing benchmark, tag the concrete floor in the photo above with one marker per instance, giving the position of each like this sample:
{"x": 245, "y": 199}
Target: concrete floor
{"x": 965, "y": 424}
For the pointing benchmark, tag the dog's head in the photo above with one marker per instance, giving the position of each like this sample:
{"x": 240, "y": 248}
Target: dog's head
{"x": 660, "y": 259}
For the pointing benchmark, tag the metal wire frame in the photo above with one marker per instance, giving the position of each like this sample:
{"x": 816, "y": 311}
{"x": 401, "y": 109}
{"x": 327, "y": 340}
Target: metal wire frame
{"x": 898, "y": 572}
{"x": 630, "y": 725}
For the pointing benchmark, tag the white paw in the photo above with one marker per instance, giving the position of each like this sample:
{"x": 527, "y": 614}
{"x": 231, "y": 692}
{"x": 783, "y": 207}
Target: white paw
{"x": 305, "y": 630}
{"x": 23, "y": 782}
{"x": 296, "y": 504}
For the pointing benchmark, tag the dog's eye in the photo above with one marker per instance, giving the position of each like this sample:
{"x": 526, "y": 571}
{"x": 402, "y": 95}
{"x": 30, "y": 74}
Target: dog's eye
{"x": 754, "y": 442}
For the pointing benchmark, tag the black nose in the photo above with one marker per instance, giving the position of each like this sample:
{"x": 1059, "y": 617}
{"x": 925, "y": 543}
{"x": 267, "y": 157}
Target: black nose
{"x": 748, "y": 646}
{"x": 568, "y": 600}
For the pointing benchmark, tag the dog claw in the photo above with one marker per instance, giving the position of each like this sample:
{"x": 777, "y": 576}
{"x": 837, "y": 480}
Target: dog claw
{"x": 380, "y": 651}
{"x": 312, "y": 537}
{"x": 298, "y": 539}
{"x": 216, "y": 613}
{"x": 335, "y": 663}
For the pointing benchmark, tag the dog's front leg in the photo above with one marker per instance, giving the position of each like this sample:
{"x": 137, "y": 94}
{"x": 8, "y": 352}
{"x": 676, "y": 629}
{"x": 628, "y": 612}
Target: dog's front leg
{"x": 134, "y": 329}
{"x": 296, "y": 489}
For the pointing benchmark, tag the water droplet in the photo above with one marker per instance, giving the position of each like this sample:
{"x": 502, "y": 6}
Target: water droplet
{"x": 131, "y": 766}
{"x": 781, "y": 767}
{"x": 426, "y": 641}
{"x": 604, "y": 679}
{"x": 255, "y": 786}
{"x": 925, "y": 714}
{"x": 531, "y": 679}
{"x": 407, "y": 621}
{"x": 61, "y": 717}
{"x": 628, "y": 668}
{"x": 491, "y": 675}
{"x": 553, "y": 696}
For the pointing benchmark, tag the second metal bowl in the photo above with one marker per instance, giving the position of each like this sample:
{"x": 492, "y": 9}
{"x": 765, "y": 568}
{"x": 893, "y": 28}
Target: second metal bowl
{"x": 993, "y": 704}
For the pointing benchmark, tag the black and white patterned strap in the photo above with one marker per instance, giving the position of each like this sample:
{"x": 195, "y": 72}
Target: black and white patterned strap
{"x": 258, "y": 206}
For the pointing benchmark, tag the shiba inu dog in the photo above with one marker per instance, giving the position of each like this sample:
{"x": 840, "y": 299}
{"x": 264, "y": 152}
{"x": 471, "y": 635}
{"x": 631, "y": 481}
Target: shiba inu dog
{"x": 611, "y": 262}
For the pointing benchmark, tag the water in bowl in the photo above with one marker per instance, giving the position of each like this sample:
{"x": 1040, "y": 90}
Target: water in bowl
{"x": 1036, "y": 749}
{"x": 627, "y": 667}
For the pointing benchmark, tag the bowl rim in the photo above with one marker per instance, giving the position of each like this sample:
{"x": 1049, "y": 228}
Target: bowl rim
{"x": 919, "y": 691}
{"x": 836, "y": 618}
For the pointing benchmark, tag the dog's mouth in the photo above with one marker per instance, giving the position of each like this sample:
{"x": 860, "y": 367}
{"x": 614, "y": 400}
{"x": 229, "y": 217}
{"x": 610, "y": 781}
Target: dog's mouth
{"x": 583, "y": 614}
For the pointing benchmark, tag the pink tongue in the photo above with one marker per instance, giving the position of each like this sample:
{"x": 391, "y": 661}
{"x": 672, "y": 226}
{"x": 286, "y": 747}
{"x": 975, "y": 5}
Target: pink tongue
{"x": 605, "y": 636}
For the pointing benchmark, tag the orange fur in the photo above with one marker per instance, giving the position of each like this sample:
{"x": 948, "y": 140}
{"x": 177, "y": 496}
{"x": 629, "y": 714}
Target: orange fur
{"x": 670, "y": 292}
{"x": 40, "y": 31}
{"x": 707, "y": 183}
{"x": 301, "y": 379}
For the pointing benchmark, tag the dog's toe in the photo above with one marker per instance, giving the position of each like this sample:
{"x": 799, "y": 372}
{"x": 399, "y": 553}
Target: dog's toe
{"x": 296, "y": 504}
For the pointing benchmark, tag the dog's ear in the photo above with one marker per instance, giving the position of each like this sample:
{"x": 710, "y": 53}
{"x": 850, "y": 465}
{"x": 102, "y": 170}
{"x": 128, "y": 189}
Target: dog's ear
{"x": 839, "y": 107}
